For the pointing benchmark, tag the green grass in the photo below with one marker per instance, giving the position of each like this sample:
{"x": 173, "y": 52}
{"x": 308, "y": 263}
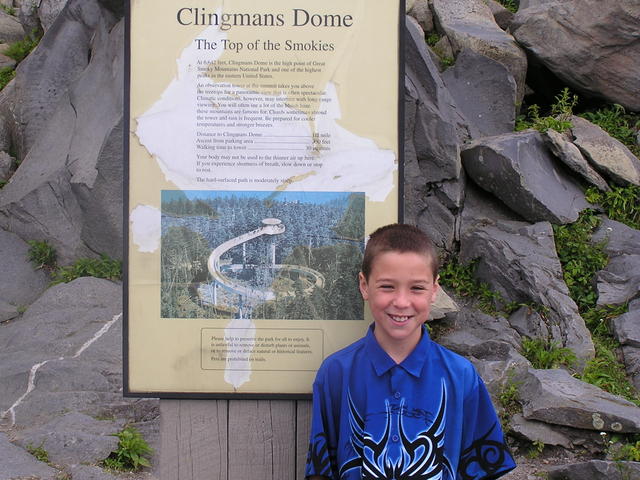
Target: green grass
{"x": 20, "y": 49}
{"x": 545, "y": 354}
{"x": 41, "y": 254}
{"x": 558, "y": 118}
{"x": 39, "y": 452}
{"x": 511, "y": 5}
{"x": 580, "y": 260}
{"x": 618, "y": 123}
{"x": 6, "y": 75}
{"x": 621, "y": 204}
{"x": 461, "y": 279}
{"x": 8, "y": 10}
{"x": 132, "y": 452}
{"x": 103, "y": 267}
{"x": 432, "y": 38}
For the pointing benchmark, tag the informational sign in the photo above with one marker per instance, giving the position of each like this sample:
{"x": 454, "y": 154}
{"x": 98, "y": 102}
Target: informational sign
{"x": 263, "y": 146}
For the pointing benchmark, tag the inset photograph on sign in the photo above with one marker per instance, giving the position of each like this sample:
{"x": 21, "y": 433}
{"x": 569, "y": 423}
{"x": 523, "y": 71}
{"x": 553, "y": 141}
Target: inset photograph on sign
{"x": 261, "y": 255}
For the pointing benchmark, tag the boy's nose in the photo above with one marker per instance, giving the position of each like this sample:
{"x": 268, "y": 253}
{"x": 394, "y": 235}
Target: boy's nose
{"x": 401, "y": 299}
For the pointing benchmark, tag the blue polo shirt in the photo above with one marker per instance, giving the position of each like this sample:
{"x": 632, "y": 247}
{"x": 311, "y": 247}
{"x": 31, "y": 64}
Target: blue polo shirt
{"x": 429, "y": 417}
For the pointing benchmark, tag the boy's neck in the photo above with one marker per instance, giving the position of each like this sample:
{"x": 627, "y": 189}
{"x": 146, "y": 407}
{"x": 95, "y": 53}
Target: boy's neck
{"x": 398, "y": 351}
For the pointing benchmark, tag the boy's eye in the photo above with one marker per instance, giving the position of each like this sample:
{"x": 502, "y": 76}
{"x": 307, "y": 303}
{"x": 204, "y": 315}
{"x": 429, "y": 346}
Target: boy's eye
{"x": 386, "y": 287}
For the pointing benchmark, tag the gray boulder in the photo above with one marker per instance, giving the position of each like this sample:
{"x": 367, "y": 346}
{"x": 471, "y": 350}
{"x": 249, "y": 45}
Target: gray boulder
{"x": 557, "y": 398}
{"x": 422, "y": 13}
{"x": 6, "y": 162}
{"x": 17, "y": 463}
{"x": 28, "y": 15}
{"x": 67, "y": 319}
{"x": 44, "y": 77}
{"x": 519, "y": 261}
{"x": 619, "y": 281}
{"x": 626, "y": 328}
{"x": 485, "y": 93}
{"x": 69, "y": 189}
{"x": 48, "y": 11}
{"x": 10, "y": 28}
{"x": 470, "y": 24}
{"x": 592, "y": 45}
{"x": 570, "y": 155}
{"x": 617, "y": 238}
{"x": 501, "y": 15}
{"x": 73, "y": 438}
{"x": 519, "y": 170}
{"x": 20, "y": 282}
{"x": 435, "y": 135}
{"x": 596, "y": 469}
{"x": 431, "y": 145}
{"x": 535, "y": 431}
{"x": 607, "y": 154}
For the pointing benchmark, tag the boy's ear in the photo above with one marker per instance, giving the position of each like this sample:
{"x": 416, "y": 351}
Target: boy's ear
{"x": 364, "y": 288}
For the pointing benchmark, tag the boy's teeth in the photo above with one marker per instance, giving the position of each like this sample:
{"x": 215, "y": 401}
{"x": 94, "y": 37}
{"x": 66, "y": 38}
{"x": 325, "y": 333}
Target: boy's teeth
{"x": 398, "y": 318}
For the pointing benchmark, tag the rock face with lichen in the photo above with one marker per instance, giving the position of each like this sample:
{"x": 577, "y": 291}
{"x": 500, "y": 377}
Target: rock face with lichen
{"x": 487, "y": 195}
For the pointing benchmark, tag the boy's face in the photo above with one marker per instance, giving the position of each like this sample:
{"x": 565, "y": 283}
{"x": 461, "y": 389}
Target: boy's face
{"x": 400, "y": 291}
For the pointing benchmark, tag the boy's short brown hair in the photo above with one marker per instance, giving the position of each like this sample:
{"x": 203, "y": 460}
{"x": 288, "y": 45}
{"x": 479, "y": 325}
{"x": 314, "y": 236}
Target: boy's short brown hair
{"x": 402, "y": 238}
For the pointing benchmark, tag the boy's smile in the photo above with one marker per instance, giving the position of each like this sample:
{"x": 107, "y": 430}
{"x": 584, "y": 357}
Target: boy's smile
{"x": 400, "y": 290}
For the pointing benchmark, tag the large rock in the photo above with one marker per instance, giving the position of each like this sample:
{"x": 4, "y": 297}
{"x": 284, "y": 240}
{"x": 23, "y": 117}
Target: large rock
{"x": 607, "y": 154}
{"x": 69, "y": 188}
{"x": 44, "y": 77}
{"x": 519, "y": 261}
{"x": 555, "y": 397}
{"x": 470, "y": 24}
{"x": 20, "y": 283}
{"x": 10, "y": 28}
{"x": 431, "y": 143}
{"x": 535, "y": 431}
{"x": 484, "y": 91}
{"x": 73, "y": 438}
{"x": 570, "y": 155}
{"x": 519, "y": 170}
{"x": 596, "y": 469}
{"x": 619, "y": 281}
{"x": 67, "y": 318}
{"x": 592, "y": 45}
{"x": 17, "y": 463}
{"x": 48, "y": 11}
{"x": 435, "y": 135}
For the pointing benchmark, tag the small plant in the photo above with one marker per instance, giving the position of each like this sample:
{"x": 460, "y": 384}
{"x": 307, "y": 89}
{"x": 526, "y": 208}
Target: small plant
{"x": 132, "y": 451}
{"x": 509, "y": 398}
{"x": 6, "y": 75}
{"x": 447, "y": 62}
{"x": 39, "y": 452}
{"x": 432, "y": 38}
{"x": 41, "y": 254}
{"x": 103, "y": 267}
{"x": 20, "y": 49}
{"x": 537, "y": 446}
{"x": 545, "y": 354}
{"x": 580, "y": 259}
{"x": 8, "y": 10}
{"x": 558, "y": 119}
{"x": 621, "y": 204}
{"x": 511, "y": 5}
{"x": 606, "y": 372}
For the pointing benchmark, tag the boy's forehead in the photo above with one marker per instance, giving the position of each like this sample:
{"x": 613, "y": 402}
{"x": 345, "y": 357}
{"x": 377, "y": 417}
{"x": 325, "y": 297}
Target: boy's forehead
{"x": 385, "y": 260}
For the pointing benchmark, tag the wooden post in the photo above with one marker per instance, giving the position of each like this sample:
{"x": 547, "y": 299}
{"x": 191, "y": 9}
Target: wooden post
{"x": 234, "y": 439}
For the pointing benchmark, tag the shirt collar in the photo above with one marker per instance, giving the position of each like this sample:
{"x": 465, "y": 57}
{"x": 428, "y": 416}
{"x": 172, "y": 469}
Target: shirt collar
{"x": 382, "y": 362}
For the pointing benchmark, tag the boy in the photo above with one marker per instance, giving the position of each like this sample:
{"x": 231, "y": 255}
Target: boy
{"x": 395, "y": 405}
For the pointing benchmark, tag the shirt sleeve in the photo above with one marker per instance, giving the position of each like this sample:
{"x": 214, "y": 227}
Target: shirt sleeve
{"x": 485, "y": 454}
{"x": 321, "y": 448}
